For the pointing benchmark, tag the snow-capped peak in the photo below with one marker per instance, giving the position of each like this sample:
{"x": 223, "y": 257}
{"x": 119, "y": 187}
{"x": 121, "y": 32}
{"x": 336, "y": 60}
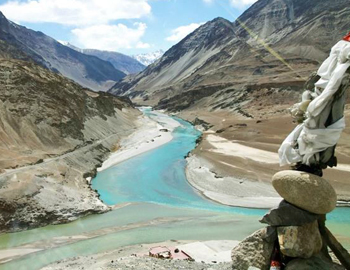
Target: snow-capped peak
{"x": 66, "y": 43}
{"x": 148, "y": 58}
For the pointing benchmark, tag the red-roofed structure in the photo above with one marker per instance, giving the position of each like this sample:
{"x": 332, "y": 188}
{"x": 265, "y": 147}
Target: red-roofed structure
{"x": 169, "y": 253}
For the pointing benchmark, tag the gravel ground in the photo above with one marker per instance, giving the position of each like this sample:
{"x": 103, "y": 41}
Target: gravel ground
{"x": 151, "y": 263}
{"x": 138, "y": 263}
{"x": 132, "y": 257}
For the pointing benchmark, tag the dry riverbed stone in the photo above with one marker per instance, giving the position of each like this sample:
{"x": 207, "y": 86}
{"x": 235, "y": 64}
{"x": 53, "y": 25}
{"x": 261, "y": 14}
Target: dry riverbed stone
{"x": 307, "y": 191}
{"x": 300, "y": 241}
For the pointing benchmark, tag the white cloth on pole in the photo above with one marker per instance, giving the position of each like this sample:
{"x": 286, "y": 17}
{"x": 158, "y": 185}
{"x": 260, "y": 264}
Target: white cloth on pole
{"x": 309, "y": 138}
{"x": 313, "y": 141}
{"x": 310, "y": 142}
{"x": 287, "y": 152}
{"x": 331, "y": 72}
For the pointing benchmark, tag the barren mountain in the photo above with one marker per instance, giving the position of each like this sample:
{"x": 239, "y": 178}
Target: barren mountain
{"x": 270, "y": 49}
{"x": 120, "y": 61}
{"x": 54, "y": 134}
{"x": 88, "y": 71}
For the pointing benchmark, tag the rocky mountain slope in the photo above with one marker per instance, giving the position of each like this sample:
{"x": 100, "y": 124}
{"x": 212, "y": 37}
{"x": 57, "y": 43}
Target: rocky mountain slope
{"x": 88, "y": 71}
{"x": 120, "y": 61}
{"x": 148, "y": 58}
{"x": 271, "y": 49}
{"x": 54, "y": 134}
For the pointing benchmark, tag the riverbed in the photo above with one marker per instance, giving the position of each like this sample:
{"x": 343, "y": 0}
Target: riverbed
{"x": 154, "y": 202}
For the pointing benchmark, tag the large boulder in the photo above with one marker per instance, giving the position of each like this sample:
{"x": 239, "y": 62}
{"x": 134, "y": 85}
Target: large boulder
{"x": 305, "y": 190}
{"x": 300, "y": 241}
{"x": 318, "y": 262}
{"x": 254, "y": 251}
{"x": 287, "y": 214}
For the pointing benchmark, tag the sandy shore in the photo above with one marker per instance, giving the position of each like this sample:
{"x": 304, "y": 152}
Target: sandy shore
{"x": 152, "y": 132}
{"x": 229, "y": 190}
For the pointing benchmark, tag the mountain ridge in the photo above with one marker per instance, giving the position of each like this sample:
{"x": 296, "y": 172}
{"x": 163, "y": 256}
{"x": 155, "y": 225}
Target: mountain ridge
{"x": 122, "y": 62}
{"x": 273, "y": 42}
{"x": 88, "y": 71}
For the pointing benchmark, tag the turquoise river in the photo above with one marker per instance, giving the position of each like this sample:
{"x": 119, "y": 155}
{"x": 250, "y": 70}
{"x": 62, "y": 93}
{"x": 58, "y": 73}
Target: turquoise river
{"x": 154, "y": 202}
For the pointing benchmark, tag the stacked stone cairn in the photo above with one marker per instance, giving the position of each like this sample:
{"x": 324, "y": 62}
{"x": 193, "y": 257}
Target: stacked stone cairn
{"x": 296, "y": 228}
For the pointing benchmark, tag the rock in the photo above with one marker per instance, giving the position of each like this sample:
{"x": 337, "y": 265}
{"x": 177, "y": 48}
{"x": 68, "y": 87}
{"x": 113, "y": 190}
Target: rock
{"x": 254, "y": 251}
{"x": 305, "y": 190}
{"x": 220, "y": 130}
{"x": 287, "y": 214}
{"x": 271, "y": 234}
{"x": 202, "y": 123}
{"x": 318, "y": 262}
{"x": 300, "y": 241}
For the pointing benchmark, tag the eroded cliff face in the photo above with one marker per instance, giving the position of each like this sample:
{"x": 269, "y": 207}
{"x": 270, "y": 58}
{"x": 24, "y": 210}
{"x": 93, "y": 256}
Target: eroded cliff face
{"x": 271, "y": 49}
{"x": 54, "y": 134}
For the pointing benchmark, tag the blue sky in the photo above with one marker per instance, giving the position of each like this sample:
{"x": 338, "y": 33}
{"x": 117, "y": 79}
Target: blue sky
{"x": 127, "y": 26}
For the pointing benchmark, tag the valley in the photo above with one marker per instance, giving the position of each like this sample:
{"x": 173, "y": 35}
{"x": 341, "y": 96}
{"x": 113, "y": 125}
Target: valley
{"x": 105, "y": 155}
{"x": 148, "y": 206}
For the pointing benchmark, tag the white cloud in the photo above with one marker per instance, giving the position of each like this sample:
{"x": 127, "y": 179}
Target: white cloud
{"x": 235, "y": 3}
{"x": 111, "y": 37}
{"x": 75, "y": 12}
{"x": 242, "y": 3}
{"x": 182, "y": 31}
{"x": 141, "y": 45}
{"x": 93, "y": 20}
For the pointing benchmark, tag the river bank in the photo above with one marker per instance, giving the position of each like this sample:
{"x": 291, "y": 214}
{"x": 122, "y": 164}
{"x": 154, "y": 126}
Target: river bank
{"x": 58, "y": 189}
{"x": 233, "y": 145}
{"x": 55, "y": 190}
{"x": 229, "y": 190}
{"x": 154, "y": 130}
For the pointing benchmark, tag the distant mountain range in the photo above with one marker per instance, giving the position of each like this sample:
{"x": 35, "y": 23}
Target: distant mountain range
{"x": 148, "y": 58}
{"x": 89, "y": 71}
{"x": 274, "y": 46}
{"x": 120, "y": 61}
